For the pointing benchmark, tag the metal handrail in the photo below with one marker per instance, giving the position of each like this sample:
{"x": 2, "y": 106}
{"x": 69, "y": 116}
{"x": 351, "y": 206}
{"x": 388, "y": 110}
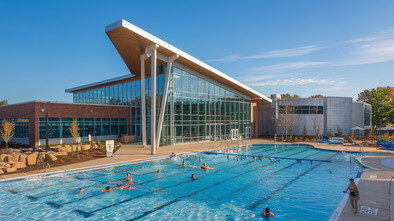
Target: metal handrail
{"x": 390, "y": 197}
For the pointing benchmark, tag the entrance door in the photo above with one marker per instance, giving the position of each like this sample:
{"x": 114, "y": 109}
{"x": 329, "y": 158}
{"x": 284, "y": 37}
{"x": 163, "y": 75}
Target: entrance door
{"x": 234, "y": 134}
{"x": 248, "y": 132}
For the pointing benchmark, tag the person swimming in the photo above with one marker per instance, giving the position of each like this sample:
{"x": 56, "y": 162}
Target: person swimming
{"x": 200, "y": 159}
{"x": 195, "y": 156}
{"x": 193, "y": 177}
{"x": 183, "y": 164}
{"x": 132, "y": 168}
{"x": 254, "y": 158}
{"x": 205, "y": 167}
{"x": 142, "y": 167}
{"x": 81, "y": 190}
{"x": 213, "y": 158}
{"x": 128, "y": 178}
{"x": 158, "y": 171}
{"x": 267, "y": 213}
{"x": 238, "y": 158}
{"x": 107, "y": 189}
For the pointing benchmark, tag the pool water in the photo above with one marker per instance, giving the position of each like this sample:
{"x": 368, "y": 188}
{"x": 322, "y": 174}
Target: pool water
{"x": 233, "y": 190}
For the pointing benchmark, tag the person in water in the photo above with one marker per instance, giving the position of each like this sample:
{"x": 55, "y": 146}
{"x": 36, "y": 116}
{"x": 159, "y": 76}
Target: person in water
{"x": 132, "y": 168}
{"x": 200, "y": 159}
{"x": 128, "y": 178}
{"x": 353, "y": 194}
{"x": 213, "y": 158}
{"x": 107, "y": 189}
{"x": 158, "y": 171}
{"x": 194, "y": 177}
{"x": 81, "y": 190}
{"x": 183, "y": 164}
{"x": 142, "y": 167}
{"x": 267, "y": 213}
{"x": 205, "y": 167}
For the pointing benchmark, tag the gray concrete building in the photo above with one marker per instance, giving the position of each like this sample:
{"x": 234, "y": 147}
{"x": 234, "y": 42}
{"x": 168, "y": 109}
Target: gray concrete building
{"x": 315, "y": 116}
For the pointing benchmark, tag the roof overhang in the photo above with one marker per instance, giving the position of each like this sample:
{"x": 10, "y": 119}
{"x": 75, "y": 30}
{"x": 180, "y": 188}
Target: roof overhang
{"x": 131, "y": 41}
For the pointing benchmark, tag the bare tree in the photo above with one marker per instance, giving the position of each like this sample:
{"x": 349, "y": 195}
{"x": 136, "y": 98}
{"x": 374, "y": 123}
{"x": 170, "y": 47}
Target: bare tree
{"x": 287, "y": 117}
{"x": 7, "y": 132}
{"x": 74, "y": 133}
{"x": 317, "y": 125}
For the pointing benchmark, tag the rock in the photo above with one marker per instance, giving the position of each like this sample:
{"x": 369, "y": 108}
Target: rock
{"x": 22, "y": 158}
{"x": 51, "y": 157}
{"x": 86, "y": 147}
{"x": 2, "y": 157}
{"x": 28, "y": 151}
{"x": 18, "y": 165}
{"x": 96, "y": 146}
{"x": 60, "y": 154}
{"x": 32, "y": 159}
{"x": 74, "y": 148}
{"x": 13, "y": 158}
{"x": 10, "y": 170}
{"x": 66, "y": 149}
{"x": 41, "y": 157}
{"x": 1, "y": 170}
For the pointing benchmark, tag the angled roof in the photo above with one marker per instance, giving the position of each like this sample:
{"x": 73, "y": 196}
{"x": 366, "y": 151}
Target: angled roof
{"x": 131, "y": 41}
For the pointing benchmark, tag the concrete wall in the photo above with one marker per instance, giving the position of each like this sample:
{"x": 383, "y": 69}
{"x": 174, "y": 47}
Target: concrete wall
{"x": 338, "y": 112}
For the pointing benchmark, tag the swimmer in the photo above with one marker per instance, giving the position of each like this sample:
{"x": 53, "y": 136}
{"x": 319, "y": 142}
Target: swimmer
{"x": 238, "y": 158}
{"x": 270, "y": 159}
{"x": 200, "y": 159}
{"x": 132, "y": 168}
{"x": 107, "y": 189}
{"x": 353, "y": 194}
{"x": 254, "y": 158}
{"x": 195, "y": 156}
{"x": 252, "y": 215}
{"x": 128, "y": 178}
{"x": 205, "y": 167}
{"x": 81, "y": 190}
{"x": 158, "y": 171}
{"x": 187, "y": 155}
{"x": 267, "y": 213}
{"x": 122, "y": 170}
{"x": 188, "y": 165}
{"x": 173, "y": 154}
{"x": 247, "y": 157}
{"x": 213, "y": 158}
{"x": 142, "y": 167}
{"x": 194, "y": 177}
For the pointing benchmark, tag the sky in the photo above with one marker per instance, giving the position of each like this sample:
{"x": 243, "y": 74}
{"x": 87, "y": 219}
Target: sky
{"x": 333, "y": 48}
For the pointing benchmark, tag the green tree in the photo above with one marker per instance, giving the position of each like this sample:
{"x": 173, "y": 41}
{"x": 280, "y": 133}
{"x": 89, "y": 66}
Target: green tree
{"x": 382, "y": 101}
{"x": 316, "y": 96}
{"x": 3, "y": 102}
{"x": 287, "y": 95}
{"x": 304, "y": 131}
{"x": 329, "y": 133}
{"x": 339, "y": 130}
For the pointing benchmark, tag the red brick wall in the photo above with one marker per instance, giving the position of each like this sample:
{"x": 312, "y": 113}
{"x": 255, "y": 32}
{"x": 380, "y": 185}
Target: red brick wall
{"x": 32, "y": 111}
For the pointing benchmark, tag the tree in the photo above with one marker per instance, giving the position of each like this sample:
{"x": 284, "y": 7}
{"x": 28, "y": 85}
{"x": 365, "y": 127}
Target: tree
{"x": 317, "y": 125}
{"x": 287, "y": 95}
{"x": 3, "y": 103}
{"x": 339, "y": 130}
{"x": 287, "y": 118}
{"x": 329, "y": 133}
{"x": 316, "y": 96}
{"x": 304, "y": 131}
{"x": 7, "y": 132}
{"x": 382, "y": 101}
{"x": 74, "y": 133}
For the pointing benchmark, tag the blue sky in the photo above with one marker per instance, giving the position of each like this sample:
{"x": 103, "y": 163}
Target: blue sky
{"x": 334, "y": 48}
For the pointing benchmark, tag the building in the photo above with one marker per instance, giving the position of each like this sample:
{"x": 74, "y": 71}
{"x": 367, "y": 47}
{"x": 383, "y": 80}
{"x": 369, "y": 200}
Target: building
{"x": 188, "y": 100}
{"x": 319, "y": 116}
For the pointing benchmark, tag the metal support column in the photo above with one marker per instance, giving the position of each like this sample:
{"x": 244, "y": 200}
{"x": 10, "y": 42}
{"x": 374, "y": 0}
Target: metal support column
{"x": 153, "y": 98}
{"x": 164, "y": 100}
{"x": 143, "y": 103}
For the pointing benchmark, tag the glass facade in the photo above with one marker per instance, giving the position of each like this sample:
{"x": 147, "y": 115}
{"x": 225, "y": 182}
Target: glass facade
{"x": 301, "y": 109}
{"x": 197, "y": 109}
{"x": 21, "y": 126}
{"x": 59, "y": 127}
{"x": 367, "y": 115}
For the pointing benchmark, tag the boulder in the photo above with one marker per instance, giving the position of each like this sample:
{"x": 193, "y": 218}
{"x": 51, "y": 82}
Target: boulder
{"x": 60, "y": 154}
{"x": 13, "y": 158}
{"x": 28, "y": 151}
{"x": 2, "y": 157}
{"x": 32, "y": 159}
{"x": 18, "y": 165}
{"x": 95, "y": 146}
{"x": 22, "y": 158}
{"x": 86, "y": 147}
{"x": 74, "y": 148}
{"x": 1, "y": 170}
{"x": 10, "y": 170}
{"x": 51, "y": 157}
{"x": 8, "y": 165}
{"x": 66, "y": 149}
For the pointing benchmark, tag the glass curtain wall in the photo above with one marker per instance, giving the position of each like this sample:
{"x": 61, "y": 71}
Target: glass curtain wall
{"x": 196, "y": 109}
{"x": 21, "y": 127}
{"x": 59, "y": 126}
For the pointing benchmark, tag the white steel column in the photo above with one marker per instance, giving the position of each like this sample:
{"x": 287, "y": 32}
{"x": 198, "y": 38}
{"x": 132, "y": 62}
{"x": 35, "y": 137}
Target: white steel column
{"x": 143, "y": 105}
{"x": 153, "y": 98}
{"x": 164, "y": 100}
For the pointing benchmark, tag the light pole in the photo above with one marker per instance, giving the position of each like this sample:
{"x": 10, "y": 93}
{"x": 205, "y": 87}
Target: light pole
{"x": 46, "y": 129}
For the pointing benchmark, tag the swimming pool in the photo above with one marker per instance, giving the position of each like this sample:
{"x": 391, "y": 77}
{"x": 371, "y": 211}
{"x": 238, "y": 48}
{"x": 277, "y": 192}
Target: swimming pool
{"x": 233, "y": 190}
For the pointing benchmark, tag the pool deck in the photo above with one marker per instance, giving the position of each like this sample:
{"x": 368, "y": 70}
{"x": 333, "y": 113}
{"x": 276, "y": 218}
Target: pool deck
{"x": 373, "y": 184}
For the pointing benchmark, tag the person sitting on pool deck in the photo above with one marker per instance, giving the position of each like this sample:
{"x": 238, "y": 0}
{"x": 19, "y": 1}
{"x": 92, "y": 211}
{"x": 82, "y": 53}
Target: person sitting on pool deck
{"x": 107, "y": 189}
{"x": 194, "y": 177}
{"x": 128, "y": 178}
{"x": 205, "y": 167}
{"x": 353, "y": 194}
{"x": 267, "y": 213}
{"x": 81, "y": 190}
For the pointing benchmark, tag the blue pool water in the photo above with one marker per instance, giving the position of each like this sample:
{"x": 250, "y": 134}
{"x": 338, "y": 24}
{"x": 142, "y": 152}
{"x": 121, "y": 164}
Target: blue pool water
{"x": 233, "y": 190}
